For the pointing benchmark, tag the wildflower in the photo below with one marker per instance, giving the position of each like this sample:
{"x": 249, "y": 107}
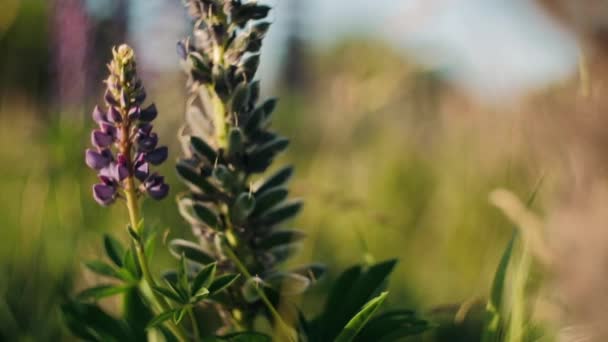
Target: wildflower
{"x": 125, "y": 129}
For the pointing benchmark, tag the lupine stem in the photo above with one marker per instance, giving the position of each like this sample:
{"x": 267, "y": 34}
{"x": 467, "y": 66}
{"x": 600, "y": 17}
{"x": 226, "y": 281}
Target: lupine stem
{"x": 283, "y": 327}
{"x": 197, "y": 334}
{"x": 156, "y": 300}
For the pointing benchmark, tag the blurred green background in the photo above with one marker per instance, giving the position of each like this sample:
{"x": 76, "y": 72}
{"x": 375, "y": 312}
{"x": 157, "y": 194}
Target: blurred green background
{"x": 395, "y": 153}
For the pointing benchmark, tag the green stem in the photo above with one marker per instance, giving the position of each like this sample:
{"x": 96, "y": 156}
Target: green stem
{"x": 286, "y": 330}
{"x": 157, "y": 301}
{"x": 197, "y": 334}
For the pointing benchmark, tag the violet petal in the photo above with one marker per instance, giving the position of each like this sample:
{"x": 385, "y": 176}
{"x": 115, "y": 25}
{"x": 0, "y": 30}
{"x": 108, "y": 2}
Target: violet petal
{"x": 149, "y": 113}
{"x": 97, "y": 160}
{"x": 157, "y": 156}
{"x": 104, "y": 194}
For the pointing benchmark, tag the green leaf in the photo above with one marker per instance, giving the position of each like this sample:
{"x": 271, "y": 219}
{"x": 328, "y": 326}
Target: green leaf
{"x": 114, "y": 250}
{"x": 494, "y": 319}
{"x": 222, "y": 282}
{"x": 150, "y": 245}
{"x": 191, "y": 251}
{"x": 277, "y": 179}
{"x": 103, "y": 269}
{"x": 281, "y": 237}
{"x": 102, "y": 291}
{"x": 90, "y": 323}
{"x": 204, "y": 277}
{"x": 136, "y": 313}
{"x": 269, "y": 199}
{"x": 282, "y": 213}
{"x": 162, "y": 317}
{"x": 202, "y": 149}
{"x": 361, "y": 285}
{"x": 206, "y": 215}
{"x": 130, "y": 265}
{"x": 182, "y": 276}
{"x": 202, "y": 293}
{"x": 357, "y": 323}
{"x": 391, "y": 326}
{"x": 179, "y": 315}
{"x": 170, "y": 294}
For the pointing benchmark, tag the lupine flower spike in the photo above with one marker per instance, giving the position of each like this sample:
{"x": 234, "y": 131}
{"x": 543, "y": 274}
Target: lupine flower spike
{"x": 124, "y": 145}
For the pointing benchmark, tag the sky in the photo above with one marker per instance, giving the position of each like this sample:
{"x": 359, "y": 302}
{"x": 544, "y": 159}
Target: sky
{"x": 491, "y": 48}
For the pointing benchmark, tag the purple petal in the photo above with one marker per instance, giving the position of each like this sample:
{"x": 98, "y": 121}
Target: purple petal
{"x": 158, "y": 192}
{"x": 134, "y": 113}
{"x": 141, "y": 96}
{"x": 110, "y": 100}
{"x": 142, "y": 170}
{"x": 98, "y": 115}
{"x": 157, "y": 156}
{"x": 144, "y": 128}
{"x": 147, "y": 143}
{"x": 97, "y": 160}
{"x": 156, "y": 187}
{"x": 114, "y": 115}
{"x": 149, "y": 113}
{"x": 101, "y": 139}
{"x": 104, "y": 194}
{"x": 108, "y": 128}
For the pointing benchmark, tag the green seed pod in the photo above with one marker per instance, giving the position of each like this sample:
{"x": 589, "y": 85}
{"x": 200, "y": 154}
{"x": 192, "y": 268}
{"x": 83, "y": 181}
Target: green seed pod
{"x": 240, "y": 98}
{"x": 224, "y": 176}
{"x": 243, "y": 206}
{"x": 202, "y": 149}
{"x": 235, "y": 142}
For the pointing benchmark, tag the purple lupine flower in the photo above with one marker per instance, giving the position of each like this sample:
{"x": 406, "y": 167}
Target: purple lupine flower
{"x": 125, "y": 128}
{"x": 156, "y": 187}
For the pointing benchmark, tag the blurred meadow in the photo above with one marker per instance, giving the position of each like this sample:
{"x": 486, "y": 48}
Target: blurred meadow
{"x": 404, "y": 116}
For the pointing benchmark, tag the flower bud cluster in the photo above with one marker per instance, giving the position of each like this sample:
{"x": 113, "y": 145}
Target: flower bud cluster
{"x": 124, "y": 144}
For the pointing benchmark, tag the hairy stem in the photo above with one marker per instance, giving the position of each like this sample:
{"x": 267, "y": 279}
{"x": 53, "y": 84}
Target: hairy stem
{"x": 157, "y": 301}
{"x": 283, "y": 327}
{"x": 197, "y": 334}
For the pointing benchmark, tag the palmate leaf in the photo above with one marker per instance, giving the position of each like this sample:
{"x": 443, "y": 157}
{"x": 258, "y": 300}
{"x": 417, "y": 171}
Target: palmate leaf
{"x": 103, "y": 269}
{"x": 162, "y": 317}
{"x": 204, "y": 277}
{"x": 190, "y": 250}
{"x": 114, "y": 250}
{"x": 288, "y": 284}
{"x": 351, "y": 290}
{"x": 167, "y": 293}
{"x": 357, "y": 323}
{"x": 222, "y": 282}
{"x": 136, "y": 314}
{"x": 102, "y": 291}
{"x": 90, "y": 323}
